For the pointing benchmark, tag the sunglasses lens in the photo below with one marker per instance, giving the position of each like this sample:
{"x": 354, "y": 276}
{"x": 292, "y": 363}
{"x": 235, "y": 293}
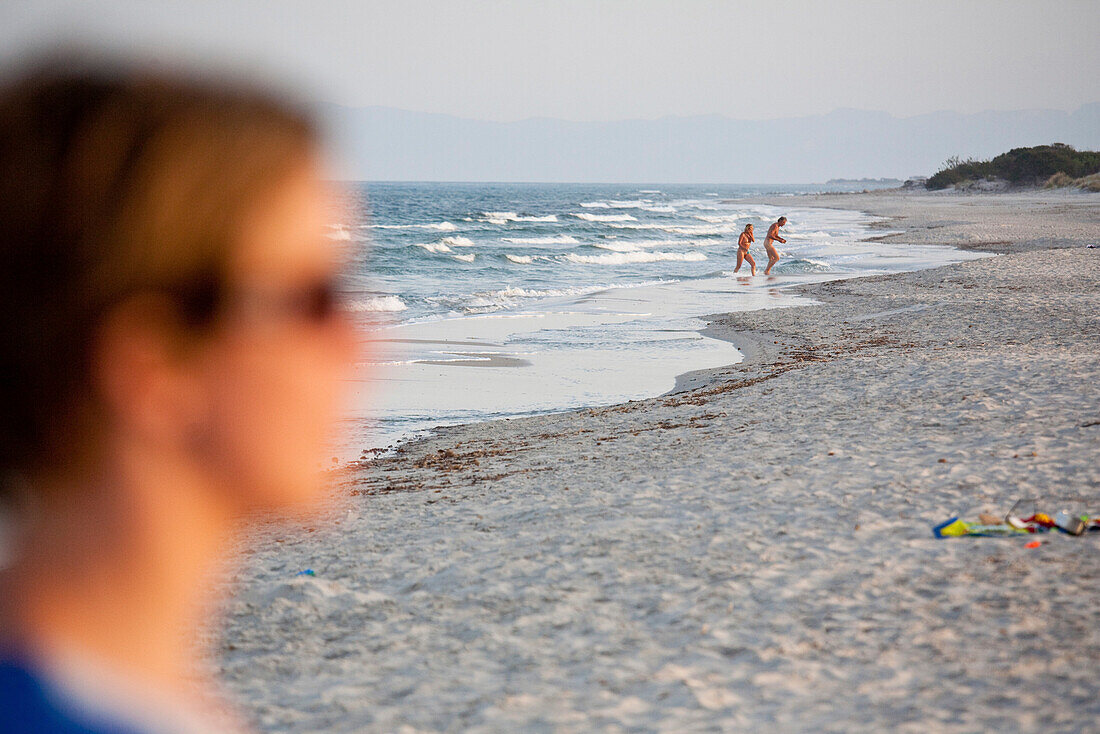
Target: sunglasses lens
{"x": 316, "y": 303}
{"x": 198, "y": 301}
{"x": 323, "y": 301}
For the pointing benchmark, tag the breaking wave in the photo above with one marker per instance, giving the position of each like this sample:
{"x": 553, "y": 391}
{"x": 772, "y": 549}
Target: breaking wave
{"x": 440, "y": 226}
{"x": 458, "y": 241}
{"x": 563, "y": 239}
{"x": 436, "y": 247}
{"x": 487, "y": 301}
{"x": 604, "y": 217}
{"x": 506, "y": 217}
{"x": 805, "y": 265}
{"x": 616, "y": 246}
{"x": 622, "y": 258}
{"x": 377, "y": 303}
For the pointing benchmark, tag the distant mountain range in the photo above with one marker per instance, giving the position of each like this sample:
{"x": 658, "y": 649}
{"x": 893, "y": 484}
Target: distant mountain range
{"x": 380, "y": 143}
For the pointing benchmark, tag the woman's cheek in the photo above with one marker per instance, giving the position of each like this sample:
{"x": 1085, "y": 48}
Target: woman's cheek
{"x": 267, "y": 431}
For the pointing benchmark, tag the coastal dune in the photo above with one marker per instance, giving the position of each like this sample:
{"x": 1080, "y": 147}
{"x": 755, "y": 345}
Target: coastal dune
{"x": 753, "y": 549}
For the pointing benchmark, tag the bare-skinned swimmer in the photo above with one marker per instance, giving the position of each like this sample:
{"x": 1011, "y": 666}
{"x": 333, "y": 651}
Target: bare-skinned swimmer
{"x": 743, "y": 249}
{"x": 773, "y": 236}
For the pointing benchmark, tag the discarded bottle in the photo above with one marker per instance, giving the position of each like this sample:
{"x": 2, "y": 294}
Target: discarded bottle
{"x": 1069, "y": 523}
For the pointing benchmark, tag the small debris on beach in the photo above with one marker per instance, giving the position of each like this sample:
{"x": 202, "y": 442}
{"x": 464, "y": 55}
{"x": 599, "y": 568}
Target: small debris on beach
{"x": 1025, "y": 518}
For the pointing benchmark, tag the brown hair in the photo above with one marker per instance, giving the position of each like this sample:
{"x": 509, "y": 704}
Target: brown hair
{"x": 115, "y": 181}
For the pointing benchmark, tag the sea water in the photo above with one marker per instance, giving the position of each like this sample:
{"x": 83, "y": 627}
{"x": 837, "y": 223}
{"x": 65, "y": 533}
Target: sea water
{"x": 481, "y": 301}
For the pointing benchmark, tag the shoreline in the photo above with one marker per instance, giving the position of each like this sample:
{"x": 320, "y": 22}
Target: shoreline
{"x": 867, "y": 202}
{"x": 351, "y": 455}
{"x": 755, "y": 551}
{"x": 764, "y": 346}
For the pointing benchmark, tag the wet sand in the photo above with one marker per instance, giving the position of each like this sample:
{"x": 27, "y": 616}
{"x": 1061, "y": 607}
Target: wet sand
{"x": 751, "y": 551}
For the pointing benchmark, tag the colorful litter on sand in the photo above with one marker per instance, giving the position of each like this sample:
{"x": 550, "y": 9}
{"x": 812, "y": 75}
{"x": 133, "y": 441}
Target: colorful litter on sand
{"x": 1074, "y": 516}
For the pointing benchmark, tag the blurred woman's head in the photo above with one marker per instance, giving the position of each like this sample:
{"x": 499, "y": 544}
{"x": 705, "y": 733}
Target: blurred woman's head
{"x": 166, "y": 289}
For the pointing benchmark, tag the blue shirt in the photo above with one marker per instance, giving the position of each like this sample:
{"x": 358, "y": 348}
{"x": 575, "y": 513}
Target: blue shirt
{"x": 28, "y": 705}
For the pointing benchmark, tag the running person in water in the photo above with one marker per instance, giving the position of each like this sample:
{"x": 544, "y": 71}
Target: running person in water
{"x": 743, "y": 249}
{"x": 773, "y": 236}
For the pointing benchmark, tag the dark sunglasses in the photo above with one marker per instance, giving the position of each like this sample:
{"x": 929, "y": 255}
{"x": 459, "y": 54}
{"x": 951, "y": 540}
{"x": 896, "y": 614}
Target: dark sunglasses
{"x": 316, "y": 302}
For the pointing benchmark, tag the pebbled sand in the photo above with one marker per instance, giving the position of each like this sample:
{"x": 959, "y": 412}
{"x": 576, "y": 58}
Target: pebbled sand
{"x": 753, "y": 552}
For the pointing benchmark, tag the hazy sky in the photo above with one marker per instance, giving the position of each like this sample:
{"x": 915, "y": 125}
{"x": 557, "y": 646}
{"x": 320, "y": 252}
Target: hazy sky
{"x": 616, "y": 59}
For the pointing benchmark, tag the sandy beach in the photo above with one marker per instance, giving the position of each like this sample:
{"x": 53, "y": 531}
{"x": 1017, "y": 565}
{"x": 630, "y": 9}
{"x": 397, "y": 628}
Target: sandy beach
{"x": 751, "y": 551}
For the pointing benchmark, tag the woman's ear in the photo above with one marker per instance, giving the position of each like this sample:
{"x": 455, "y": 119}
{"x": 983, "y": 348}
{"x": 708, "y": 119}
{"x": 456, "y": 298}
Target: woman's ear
{"x": 141, "y": 377}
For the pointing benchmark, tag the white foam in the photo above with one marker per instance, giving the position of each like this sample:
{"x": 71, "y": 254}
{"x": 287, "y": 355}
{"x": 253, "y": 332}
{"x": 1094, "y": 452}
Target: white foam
{"x": 595, "y": 205}
{"x": 720, "y": 218}
{"x": 673, "y": 243}
{"x": 387, "y": 363}
{"x": 616, "y": 246}
{"x": 807, "y": 265}
{"x": 697, "y": 230}
{"x": 520, "y": 259}
{"x": 693, "y": 204}
{"x": 458, "y": 241}
{"x": 377, "y": 303}
{"x": 512, "y": 293}
{"x": 438, "y": 357}
{"x": 465, "y": 258}
{"x": 433, "y": 246}
{"x": 563, "y": 239}
{"x": 501, "y": 218}
{"x": 660, "y": 209}
{"x": 604, "y": 217}
{"x": 441, "y": 226}
{"x": 649, "y": 191}
{"x": 338, "y": 233}
{"x": 622, "y": 258}
{"x": 704, "y": 229}
{"x": 487, "y": 301}
{"x": 636, "y": 225}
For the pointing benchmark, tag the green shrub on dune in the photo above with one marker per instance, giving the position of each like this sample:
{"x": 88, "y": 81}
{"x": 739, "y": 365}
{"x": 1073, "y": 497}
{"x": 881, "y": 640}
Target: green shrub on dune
{"x": 1023, "y": 166}
{"x": 956, "y": 170}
